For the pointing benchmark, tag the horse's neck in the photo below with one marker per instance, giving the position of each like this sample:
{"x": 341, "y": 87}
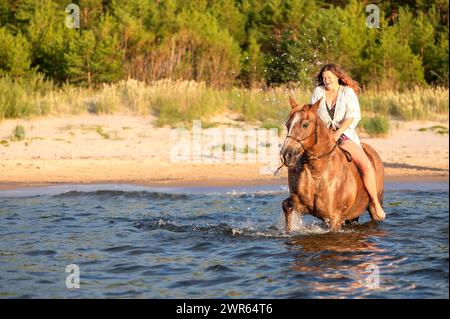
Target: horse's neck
{"x": 312, "y": 170}
{"x": 316, "y": 168}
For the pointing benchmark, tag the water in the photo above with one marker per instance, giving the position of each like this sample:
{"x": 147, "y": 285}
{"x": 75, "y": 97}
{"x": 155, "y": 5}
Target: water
{"x": 142, "y": 242}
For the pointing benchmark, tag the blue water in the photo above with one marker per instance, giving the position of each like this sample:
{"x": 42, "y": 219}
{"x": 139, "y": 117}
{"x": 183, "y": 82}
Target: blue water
{"x": 146, "y": 242}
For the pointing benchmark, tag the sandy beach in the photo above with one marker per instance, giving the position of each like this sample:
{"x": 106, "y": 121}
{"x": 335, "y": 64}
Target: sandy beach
{"x": 123, "y": 148}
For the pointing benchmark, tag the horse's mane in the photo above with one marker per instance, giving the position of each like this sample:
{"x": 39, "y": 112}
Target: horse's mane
{"x": 322, "y": 125}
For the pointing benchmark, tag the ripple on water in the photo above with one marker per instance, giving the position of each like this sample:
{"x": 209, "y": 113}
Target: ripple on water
{"x": 34, "y": 253}
{"x": 218, "y": 268}
{"x": 105, "y": 194}
{"x": 126, "y": 269}
{"x": 116, "y": 249}
{"x": 155, "y": 244}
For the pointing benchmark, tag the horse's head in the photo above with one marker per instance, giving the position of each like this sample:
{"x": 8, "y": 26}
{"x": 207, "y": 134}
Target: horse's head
{"x": 301, "y": 131}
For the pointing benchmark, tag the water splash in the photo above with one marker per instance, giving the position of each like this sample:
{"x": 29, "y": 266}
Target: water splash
{"x": 301, "y": 226}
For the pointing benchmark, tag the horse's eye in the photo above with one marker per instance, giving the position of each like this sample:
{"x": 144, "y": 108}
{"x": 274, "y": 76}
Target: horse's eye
{"x": 305, "y": 125}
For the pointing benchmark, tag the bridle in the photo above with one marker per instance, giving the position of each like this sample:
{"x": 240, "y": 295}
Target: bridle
{"x": 305, "y": 151}
{"x": 300, "y": 141}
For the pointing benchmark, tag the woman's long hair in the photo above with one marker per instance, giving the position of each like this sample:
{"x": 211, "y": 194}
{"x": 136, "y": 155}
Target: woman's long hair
{"x": 344, "y": 79}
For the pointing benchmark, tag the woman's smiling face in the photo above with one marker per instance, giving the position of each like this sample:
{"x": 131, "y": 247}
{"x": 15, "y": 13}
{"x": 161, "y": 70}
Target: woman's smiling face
{"x": 330, "y": 80}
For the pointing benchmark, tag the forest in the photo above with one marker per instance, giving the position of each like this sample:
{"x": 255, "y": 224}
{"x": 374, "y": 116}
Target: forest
{"x": 224, "y": 43}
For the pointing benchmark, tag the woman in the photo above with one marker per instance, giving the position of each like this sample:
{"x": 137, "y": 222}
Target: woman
{"x": 339, "y": 109}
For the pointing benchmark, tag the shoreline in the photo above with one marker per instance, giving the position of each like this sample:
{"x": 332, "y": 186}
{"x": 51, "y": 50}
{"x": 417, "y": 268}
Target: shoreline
{"x": 7, "y": 186}
{"x": 124, "y": 149}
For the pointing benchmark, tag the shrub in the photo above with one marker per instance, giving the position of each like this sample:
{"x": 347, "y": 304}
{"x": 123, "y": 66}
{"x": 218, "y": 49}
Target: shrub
{"x": 377, "y": 126}
{"x": 18, "y": 133}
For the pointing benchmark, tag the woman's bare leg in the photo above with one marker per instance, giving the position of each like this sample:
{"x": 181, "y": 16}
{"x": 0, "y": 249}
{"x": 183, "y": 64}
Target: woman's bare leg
{"x": 368, "y": 177}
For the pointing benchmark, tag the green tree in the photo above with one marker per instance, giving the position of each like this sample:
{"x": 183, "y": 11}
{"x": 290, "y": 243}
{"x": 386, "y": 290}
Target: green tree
{"x": 353, "y": 37}
{"x": 136, "y": 40}
{"x": 285, "y": 39}
{"x": 252, "y": 71}
{"x": 15, "y": 51}
{"x": 49, "y": 38}
{"x": 397, "y": 65}
{"x": 95, "y": 57}
{"x": 79, "y": 56}
{"x": 91, "y": 11}
{"x": 161, "y": 18}
{"x": 430, "y": 42}
{"x": 6, "y": 14}
{"x": 205, "y": 51}
{"x": 228, "y": 15}
{"x": 221, "y": 41}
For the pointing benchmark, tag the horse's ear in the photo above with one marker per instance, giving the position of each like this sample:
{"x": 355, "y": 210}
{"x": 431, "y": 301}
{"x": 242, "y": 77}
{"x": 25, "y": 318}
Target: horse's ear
{"x": 293, "y": 103}
{"x": 315, "y": 106}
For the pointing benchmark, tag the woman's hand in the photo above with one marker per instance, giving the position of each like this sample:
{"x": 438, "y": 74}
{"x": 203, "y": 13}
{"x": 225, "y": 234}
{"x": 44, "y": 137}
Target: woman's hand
{"x": 336, "y": 135}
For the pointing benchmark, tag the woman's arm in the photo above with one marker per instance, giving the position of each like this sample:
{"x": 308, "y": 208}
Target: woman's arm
{"x": 345, "y": 124}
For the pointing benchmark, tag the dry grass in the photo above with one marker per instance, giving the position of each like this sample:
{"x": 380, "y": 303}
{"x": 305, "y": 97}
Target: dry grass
{"x": 176, "y": 103}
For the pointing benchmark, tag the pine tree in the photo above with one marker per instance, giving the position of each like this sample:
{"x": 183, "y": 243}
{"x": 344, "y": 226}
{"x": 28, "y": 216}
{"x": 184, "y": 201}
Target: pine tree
{"x": 95, "y": 58}
{"x": 219, "y": 41}
{"x": 229, "y": 16}
{"x": 108, "y": 56}
{"x": 135, "y": 39}
{"x": 399, "y": 66}
{"x": 252, "y": 71}
{"x": 49, "y": 38}
{"x": 15, "y": 52}
{"x": 210, "y": 53}
{"x": 79, "y": 58}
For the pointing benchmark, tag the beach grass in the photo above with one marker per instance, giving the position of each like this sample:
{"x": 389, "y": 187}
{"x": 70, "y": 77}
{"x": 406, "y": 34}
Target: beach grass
{"x": 100, "y": 132}
{"x": 18, "y": 133}
{"x": 178, "y": 103}
{"x": 421, "y": 103}
{"x": 438, "y": 129}
{"x": 376, "y": 126}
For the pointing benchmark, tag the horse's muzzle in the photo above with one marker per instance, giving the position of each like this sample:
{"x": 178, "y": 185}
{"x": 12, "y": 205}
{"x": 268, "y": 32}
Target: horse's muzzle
{"x": 289, "y": 156}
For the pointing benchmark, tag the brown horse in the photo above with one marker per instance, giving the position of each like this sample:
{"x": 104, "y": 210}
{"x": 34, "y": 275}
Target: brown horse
{"x": 323, "y": 180}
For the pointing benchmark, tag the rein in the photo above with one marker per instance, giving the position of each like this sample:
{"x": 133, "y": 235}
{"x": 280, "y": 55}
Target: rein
{"x": 315, "y": 142}
{"x": 305, "y": 151}
{"x": 300, "y": 141}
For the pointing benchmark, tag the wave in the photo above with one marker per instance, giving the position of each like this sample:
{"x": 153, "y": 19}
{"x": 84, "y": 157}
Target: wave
{"x": 125, "y": 194}
{"x": 131, "y": 190}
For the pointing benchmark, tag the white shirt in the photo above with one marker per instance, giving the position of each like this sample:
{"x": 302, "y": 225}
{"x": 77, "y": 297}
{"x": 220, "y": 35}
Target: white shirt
{"x": 347, "y": 106}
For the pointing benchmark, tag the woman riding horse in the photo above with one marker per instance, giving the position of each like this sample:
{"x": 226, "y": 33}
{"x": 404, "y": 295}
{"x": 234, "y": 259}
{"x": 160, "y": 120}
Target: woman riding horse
{"x": 339, "y": 110}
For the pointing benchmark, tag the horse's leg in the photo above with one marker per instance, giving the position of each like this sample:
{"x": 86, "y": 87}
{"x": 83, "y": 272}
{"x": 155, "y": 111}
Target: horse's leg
{"x": 291, "y": 205}
{"x": 350, "y": 221}
{"x": 335, "y": 224}
{"x": 288, "y": 209}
